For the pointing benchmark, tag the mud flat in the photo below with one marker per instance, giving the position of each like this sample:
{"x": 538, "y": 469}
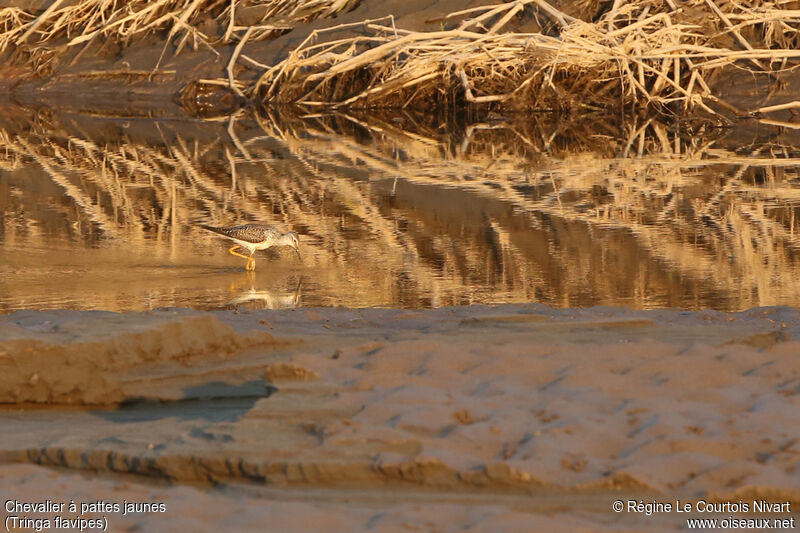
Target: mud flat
{"x": 507, "y": 417}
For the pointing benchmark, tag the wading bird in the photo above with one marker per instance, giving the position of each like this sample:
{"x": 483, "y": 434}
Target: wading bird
{"x": 256, "y": 237}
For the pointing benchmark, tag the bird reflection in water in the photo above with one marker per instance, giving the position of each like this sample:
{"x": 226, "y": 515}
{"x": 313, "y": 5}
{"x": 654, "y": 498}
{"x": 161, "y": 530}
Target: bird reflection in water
{"x": 255, "y": 299}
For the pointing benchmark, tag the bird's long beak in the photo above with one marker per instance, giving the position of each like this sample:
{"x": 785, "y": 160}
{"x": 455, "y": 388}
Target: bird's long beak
{"x": 298, "y": 253}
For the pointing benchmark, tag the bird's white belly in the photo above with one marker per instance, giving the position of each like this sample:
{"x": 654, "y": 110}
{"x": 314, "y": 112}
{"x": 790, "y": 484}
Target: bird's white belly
{"x": 250, "y": 246}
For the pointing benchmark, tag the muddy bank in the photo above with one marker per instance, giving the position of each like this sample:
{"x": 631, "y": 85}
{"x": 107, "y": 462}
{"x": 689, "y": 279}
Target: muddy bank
{"x": 59, "y": 358}
{"x": 509, "y": 400}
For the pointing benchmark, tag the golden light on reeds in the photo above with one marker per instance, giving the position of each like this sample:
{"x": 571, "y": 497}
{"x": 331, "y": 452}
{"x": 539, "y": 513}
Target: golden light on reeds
{"x": 657, "y": 55}
{"x": 64, "y": 27}
{"x": 645, "y": 54}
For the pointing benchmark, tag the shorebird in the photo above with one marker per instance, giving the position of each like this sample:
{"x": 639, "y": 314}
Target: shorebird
{"x": 256, "y": 237}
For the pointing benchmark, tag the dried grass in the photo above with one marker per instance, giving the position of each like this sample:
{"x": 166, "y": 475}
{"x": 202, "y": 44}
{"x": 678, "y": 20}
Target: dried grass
{"x": 657, "y": 54}
{"x": 646, "y": 53}
{"x": 63, "y": 26}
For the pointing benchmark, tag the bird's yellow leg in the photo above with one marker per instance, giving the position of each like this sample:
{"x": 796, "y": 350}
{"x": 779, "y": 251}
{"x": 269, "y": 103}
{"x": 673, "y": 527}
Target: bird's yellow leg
{"x": 231, "y": 251}
{"x": 251, "y": 264}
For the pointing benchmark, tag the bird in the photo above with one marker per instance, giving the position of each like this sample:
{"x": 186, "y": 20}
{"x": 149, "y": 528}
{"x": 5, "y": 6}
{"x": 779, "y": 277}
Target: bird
{"x": 256, "y": 237}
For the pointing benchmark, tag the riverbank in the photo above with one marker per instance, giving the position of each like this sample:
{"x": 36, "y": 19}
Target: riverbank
{"x": 704, "y": 60}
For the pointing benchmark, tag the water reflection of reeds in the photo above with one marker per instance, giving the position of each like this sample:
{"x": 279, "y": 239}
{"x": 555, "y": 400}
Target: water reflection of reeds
{"x": 400, "y": 212}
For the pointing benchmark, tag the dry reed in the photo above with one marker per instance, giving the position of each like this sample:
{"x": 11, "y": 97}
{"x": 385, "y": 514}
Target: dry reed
{"x": 658, "y": 54}
{"x": 647, "y": 53}
{"x": 65, "y": 26}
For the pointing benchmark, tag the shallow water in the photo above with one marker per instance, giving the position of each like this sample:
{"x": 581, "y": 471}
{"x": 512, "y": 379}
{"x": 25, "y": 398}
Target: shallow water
{"x": 102, "y": 213}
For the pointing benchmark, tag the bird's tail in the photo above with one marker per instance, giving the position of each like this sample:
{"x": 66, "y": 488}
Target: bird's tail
{"x": 212, "y": 228}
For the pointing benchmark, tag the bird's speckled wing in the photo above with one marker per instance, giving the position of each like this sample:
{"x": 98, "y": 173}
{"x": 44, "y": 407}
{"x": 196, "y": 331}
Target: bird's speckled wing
{"x": 254, "y": 233}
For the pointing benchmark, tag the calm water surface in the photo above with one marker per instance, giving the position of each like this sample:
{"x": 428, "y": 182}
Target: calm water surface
{"x": 102, "y": 213}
